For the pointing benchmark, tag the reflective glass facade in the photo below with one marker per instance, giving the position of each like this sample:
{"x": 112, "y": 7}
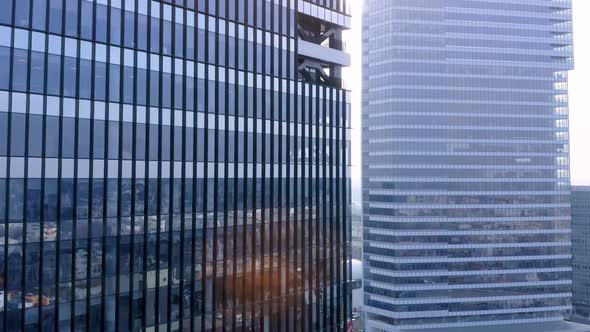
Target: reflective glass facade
{"x": 165, "y": 166}
{"x": 581, "y": 249}
{"x": 465, "y": 162}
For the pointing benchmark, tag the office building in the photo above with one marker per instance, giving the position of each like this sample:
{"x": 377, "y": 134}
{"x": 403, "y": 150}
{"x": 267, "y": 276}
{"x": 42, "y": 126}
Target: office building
{"x": 581, "y": 250}
{"x": 174, "y": 165}
{"x": 465, "y": 163}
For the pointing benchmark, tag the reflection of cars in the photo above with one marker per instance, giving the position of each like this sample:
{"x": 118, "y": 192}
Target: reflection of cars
{"x": 32, "y": 300}
{"x": 50, "y": 233}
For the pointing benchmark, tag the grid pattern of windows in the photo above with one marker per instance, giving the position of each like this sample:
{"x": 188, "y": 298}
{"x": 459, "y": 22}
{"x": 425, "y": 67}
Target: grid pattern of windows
{"x": 163, "y": 167}
{"x": 465, "y": 163}
{"x": 581, "y": 248}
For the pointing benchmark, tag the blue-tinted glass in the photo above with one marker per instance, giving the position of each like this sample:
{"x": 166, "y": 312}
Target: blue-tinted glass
{"x": 140, "y": 141}
{"x": 20, "y": 66}
{"x": 67, "y": 199}
{"x": 129, "y": 29}
{"x": 128, "y": 85}
{"x": 70, "y": 77}
{"x": 2, "y": 207}
{"x": 39, "y": 14}
{"x": 35, "y": 135}
{"x": 85, "y": 81}
{"x": 101, "y": 23}
{"x": 6, "y": 12}
{"x": 83, "y": 138}
{"x": 37, "y": 72}
{"x": 72, "y": 17}
{"x": 115, "y": 27}
{"x": 34, "y": 199}
{"x": 142, "y": 32}
{"x": 68, "y": 137}
{"x": 179, "y": 40}
{"x": 141, "y": 90}
{"x": 127, "y": 143}
{"x": 82, "y": 198}
{"x": 154, "y": 34}
{"x": 17, "y": 133}
{"x": 53, "y": 74}
{"x": 98, "y": 139}
{"x": 4, "y": 67}
{"x": 167, "y": 38}
{"x": 52, "y": 137}
{"x": 55, "y": 16}
{"x": 100, "y": 74}
{"x": 16, "y": 200}
{"x": 3, "y": 133}
{"x": 114, "y": 82}
{"x": 113, "y": 144}
{"x": 86, "y": 20}
{"x": 21, "y": 13}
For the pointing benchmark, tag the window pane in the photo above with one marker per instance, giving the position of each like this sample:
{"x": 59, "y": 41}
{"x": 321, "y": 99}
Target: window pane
{"x": 17, "y": 135}
{"x": 21, "y": 13}
{"x": 55, "y": 10}
{"x": 37, "y": 72}
{"x": 35, "y": 135}
{"x": 20, "y": 66}
{"x": 39, "y": 12}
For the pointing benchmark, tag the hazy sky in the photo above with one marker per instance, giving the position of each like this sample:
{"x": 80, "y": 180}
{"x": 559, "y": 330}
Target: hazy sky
{"x": 580, "y": 96}
{"x": 579, "y": 88}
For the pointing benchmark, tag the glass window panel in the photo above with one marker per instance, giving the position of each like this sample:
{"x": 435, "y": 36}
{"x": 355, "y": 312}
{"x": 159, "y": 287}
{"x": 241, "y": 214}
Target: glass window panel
{"x": 70, "y": 77}
{"x": 37, "y": 72}
{"x": 98, "y": 143}
{"x": 39, "y": 13}
{"x": 68, "y": 137}
{"x": 129, "y": 29}
{"x": 6, "y": 12}
{"x": 3, "y": 133}
{"x": 52, "y": 137}
{"x": 86, "y": 20}
{"x": 20, "y": 69}
{"x": 128, "y": 87}
{"x": 72, "y": 17}
{"x": 114, "y": 83}
{"x": 85, "y": 81}
{"x": 115, "y": 26}
{"x": 35, "y": 135}
{"x": 53, "y": 74}
{"x": 100, "y": 74}
{"x": 17, "y": 133}
{"x": 113, "y": 145}
{"x": 4, "y": 67}
{"x": 101, "y": 23}
{"x": 83, "y": 138}
{"x": 142, "y": 32}
{"x": 16, "y": 200}
{"x": 55, "y": 12}
{"x": 21, "y": 13}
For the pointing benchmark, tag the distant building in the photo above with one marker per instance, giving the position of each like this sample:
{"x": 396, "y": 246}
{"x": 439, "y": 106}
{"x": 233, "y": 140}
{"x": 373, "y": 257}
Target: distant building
{"x": 465, "y": 163}
{"x": 357, "y": 232}
{"x": 581, "y": 250}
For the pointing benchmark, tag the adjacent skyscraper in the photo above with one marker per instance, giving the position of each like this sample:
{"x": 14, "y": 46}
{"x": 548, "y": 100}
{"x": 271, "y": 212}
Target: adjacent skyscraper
{"x": 174, "y": 165}
{"x": 581, "y": 250}
{"x": 465, "y": 162}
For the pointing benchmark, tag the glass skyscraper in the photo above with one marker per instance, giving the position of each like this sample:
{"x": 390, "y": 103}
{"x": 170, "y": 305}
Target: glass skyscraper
{"x": 581, "y": 251}
{"x": 174, "y": 165}
{"x": 465, "y": 163}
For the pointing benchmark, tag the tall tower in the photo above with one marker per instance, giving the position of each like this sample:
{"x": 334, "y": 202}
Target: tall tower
{"x": 465, "y": 162}
{"x": 174, "y": 165}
